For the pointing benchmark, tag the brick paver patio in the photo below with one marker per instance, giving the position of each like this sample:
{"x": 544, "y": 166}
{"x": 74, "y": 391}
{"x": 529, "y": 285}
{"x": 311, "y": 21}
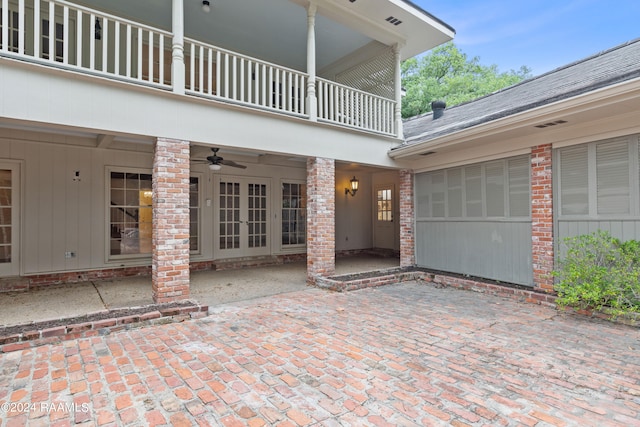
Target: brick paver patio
{"x": 397, "y": 355}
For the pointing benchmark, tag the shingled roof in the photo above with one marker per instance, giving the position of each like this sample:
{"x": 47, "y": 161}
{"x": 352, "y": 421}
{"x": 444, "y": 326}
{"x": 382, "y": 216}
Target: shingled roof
{"x": 604, "y": 69}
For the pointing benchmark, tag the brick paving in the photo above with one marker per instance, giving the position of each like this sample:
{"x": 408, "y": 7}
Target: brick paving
{"x": 398, "y": 355}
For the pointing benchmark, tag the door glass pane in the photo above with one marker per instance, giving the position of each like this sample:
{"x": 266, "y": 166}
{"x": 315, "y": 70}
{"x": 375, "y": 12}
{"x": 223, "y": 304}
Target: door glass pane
{"x": 294, "y": 209}
{"x": 256, "y": 215}
{"x": 5, "y": 215}
{"x": 229, "y": 215}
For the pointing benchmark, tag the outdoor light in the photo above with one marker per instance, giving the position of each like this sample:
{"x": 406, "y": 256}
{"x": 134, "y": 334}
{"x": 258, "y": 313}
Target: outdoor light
{"x": 215, "y": 167}
{"x": 98, "y": 30}
{"x": 354, "y": 187}
{"x": 206, "y": 7}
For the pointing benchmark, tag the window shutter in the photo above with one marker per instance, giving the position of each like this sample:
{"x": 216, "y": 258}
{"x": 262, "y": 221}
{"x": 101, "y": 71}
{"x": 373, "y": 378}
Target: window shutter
{"x": 612, "y": 177}
{"x": 423, "y": 189}
{"x": 473, "y": 187}
{"x": 437, "y": 194}
{"x": 494, "y": 188}
{"x": 519, "y": 191}
{"x": 574, "y": 181}
{"x": 454, "y": 193}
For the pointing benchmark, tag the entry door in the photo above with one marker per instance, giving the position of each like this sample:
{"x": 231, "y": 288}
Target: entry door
{"x": 384, "y": 217}
{"x": 242, "y": 216}
{"x": 9, "y": 219}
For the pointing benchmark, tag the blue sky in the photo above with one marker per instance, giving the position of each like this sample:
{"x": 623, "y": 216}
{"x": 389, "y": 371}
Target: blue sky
{"x": 540, "y": 34}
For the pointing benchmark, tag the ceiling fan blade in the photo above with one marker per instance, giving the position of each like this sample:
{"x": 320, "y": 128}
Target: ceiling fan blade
{"x": 232, "y": 164}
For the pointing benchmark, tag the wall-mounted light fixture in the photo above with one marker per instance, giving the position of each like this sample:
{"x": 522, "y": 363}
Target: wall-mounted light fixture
{"x": 354, "y": 187}
{"x": 98, "y": 30}
{"x": 206, "y": 6}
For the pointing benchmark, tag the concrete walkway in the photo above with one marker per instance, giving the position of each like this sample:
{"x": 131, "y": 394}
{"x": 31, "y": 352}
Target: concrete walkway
{"x": 398, "y": 355}
{"x": 207, "y": 288}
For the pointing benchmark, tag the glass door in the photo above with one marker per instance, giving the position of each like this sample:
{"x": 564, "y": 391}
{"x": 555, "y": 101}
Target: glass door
{"x": 9, "y": 220}
{"x": 242, "y": 217}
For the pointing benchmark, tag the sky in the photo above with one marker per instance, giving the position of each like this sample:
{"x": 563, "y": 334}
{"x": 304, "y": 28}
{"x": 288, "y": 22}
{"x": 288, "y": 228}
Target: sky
{"x": 541, "y": 34}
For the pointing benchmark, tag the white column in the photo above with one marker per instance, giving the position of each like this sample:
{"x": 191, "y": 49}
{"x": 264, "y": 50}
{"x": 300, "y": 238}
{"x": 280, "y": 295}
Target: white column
{"x": 177, "y": 57}
{"x": 312, "y": 101}
{"x": 398, "y": 90}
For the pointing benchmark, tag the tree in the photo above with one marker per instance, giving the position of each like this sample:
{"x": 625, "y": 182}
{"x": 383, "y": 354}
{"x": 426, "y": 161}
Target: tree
{"x": 448, "y": 74}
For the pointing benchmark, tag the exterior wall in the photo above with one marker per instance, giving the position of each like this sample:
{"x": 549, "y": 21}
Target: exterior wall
{"x": 170, "y": 266}
{"x": 407, "y": 219}
{"x": 62, "y": 212}
{"x": 607, "y": 184}
{"x": 450, "y": 236}
{"x": 353, "y": 214}
{"x": 321, "y": 245}
{"x": 542, "y": 217}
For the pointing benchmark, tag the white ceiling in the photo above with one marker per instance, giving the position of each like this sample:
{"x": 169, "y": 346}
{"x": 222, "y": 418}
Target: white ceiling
{"x": 247, "y": 26}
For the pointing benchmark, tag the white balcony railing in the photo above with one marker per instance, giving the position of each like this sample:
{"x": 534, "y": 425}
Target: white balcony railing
{"x": 347, "y": 106}
{"x": 215, "y": 72}
{"x": 64, "y": 35}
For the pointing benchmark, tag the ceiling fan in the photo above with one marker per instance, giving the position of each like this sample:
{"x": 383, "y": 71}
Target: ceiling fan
{"x": 216, "y": 162}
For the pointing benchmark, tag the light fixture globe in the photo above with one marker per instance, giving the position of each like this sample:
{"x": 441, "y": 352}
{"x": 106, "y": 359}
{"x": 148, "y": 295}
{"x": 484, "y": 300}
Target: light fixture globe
{"x": 215, "y": 167}
{"x": 206, "y": 6}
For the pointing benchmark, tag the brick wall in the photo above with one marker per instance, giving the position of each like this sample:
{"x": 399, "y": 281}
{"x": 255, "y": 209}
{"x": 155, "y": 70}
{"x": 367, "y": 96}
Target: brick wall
{"x": 321, "y": 229}
{"x": 170, "y": 259}
{"x": 542, "y": 217}
{"x": 407, "y": 238}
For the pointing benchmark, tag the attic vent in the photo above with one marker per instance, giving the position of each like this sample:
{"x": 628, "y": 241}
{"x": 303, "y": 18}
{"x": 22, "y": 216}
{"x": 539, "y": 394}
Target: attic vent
{"x": 546, "y": 125}
{"x": 426, "y": 153}
{"x": 394, "y": 21}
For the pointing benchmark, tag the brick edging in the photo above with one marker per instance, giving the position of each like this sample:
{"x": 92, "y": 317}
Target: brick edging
{"x": 394, "y": 275}
{"x": 40, "y": 334}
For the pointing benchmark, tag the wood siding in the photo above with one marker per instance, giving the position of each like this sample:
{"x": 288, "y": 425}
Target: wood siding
{"x": 497, "y": 250}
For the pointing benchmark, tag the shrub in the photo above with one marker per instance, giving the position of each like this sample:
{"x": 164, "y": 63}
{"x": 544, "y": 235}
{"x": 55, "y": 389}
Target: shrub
{"x": 600, "y": 272}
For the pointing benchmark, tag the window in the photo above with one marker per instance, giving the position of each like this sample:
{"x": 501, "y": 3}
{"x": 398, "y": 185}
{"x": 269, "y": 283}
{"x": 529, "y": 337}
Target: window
{"x": 13, "y": 31}
{"x": 58, "y": 43}
{"x": 496, "y": 189}
{"x": 6, "y": 215}
{"x": 130, "y": 213}
{"x": 194, "y": 214}
{"x": 385, "y": 205}
{"x": 294, "y": 211}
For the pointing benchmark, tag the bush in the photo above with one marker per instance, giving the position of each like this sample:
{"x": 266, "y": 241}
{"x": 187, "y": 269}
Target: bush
{"x": 600, "y": 272}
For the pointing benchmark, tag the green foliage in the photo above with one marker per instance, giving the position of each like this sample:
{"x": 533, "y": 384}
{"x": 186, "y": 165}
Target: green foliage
{"x": 448, "y": 74}
{"x": 600, "y": 272}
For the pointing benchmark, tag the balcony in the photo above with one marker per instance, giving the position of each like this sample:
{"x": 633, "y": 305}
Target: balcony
{"x": 76, "y": 38}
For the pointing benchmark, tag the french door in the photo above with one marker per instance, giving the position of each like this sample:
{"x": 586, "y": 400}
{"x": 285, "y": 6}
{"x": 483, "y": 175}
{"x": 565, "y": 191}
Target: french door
{"x": 242, "y": 217}
{"x": 9, "y": 219}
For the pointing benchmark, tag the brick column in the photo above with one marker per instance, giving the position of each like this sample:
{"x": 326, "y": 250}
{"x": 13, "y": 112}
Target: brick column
{"x": 321, "y": 225}
{"x": 170, "y": 264}
{"x": 542, "y": 217}
{"x": 407, "y": 237}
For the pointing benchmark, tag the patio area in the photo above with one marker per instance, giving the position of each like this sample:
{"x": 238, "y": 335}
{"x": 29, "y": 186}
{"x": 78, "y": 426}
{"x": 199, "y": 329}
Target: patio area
{"x": 210, "y": 288}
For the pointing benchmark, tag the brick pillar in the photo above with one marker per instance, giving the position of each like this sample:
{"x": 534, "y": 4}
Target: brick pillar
{"x": 407, "y": 237}
{"x": 542, "y": 217}
{"x": 170, "y": 263}
{"x": 321, "y": 224}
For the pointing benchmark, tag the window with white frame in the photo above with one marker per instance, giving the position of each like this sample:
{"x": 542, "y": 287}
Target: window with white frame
{"x": 495, "y": 189}
{"x": 130, "y": 213}
{"x": 294, "y": 213}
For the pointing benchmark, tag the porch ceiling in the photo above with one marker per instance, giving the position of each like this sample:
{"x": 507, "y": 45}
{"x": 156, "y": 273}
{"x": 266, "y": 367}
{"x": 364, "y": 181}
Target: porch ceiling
{"x": 247, "y": 26}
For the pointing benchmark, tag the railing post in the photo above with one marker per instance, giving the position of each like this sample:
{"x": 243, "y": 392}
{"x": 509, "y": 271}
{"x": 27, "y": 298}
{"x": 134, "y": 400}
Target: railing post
{"x": 312, "y": 101}
{"x": 177, "y": 56}
{"x": 398, "y": 91}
